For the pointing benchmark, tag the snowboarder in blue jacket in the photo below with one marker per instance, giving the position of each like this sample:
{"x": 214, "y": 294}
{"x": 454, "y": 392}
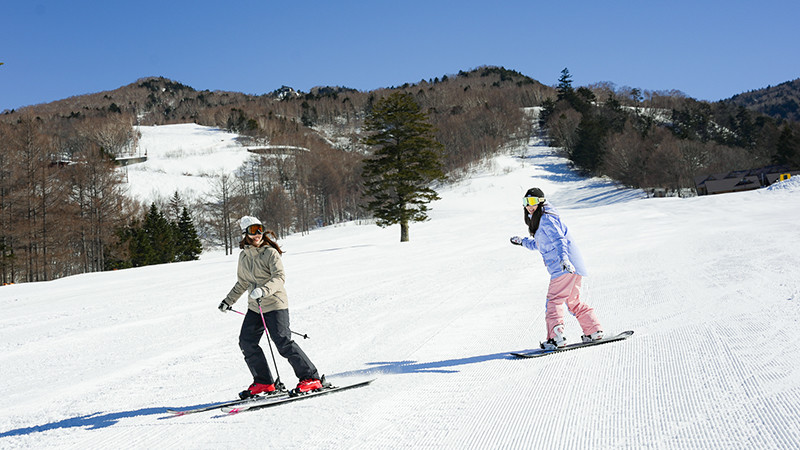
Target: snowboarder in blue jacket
{"x": 550, "y": 236}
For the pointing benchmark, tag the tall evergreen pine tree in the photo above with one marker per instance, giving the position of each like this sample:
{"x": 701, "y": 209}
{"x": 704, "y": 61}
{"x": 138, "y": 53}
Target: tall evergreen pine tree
{"x": 406, "y": 160}
{"x": 564, "y": 87}
{"x": 161, "y": 234}
{"x": 189, "y": 246}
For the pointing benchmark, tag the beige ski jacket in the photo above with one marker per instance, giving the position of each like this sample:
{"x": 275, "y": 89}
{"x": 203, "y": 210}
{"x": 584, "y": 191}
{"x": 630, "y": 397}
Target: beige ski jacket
{"x": 260, "y": 267}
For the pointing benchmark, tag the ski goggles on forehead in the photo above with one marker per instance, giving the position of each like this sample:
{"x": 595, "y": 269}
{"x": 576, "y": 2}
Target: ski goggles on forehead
{"x": 532, "y": 201}
{"x": 254, "y": 229}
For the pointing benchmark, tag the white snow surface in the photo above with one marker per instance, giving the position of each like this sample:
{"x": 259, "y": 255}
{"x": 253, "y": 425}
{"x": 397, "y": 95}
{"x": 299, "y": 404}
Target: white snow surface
{"x": 710, "y": 285}
{"x": 185, "y": 158}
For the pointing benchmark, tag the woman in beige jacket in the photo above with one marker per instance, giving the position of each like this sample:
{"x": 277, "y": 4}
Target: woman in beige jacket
{"x": 261, "y": 274}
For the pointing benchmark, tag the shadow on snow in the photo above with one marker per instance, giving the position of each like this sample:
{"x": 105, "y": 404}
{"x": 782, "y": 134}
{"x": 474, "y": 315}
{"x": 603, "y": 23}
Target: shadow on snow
{"x": 593, "y": 192}
{"x": 401, "y": 367}
{"x": 92, "y": 421}
{"x": 98, "y": 421}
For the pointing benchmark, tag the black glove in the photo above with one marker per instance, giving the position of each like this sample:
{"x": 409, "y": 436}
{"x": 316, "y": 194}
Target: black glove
{"x": 224, "y": 307}
{"x": 516, "y": 240}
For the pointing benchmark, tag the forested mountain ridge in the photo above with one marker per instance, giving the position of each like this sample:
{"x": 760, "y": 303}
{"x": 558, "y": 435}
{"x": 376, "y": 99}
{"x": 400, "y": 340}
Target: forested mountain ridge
{"x": 57, "y": 159}
{"x": 780, "y": 102}
{"x": 664, "y": 141}
{"x": 323, "y": 117}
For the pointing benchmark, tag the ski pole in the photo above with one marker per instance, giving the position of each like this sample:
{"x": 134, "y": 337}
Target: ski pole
{"x": 269, "y": 341}
{"x": 305, "y": 336}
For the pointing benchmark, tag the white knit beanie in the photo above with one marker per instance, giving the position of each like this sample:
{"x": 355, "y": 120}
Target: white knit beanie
{"x": 246, "y": 221}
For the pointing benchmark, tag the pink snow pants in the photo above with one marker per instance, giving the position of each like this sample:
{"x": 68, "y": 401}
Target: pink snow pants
{"x": 567, "y": 289}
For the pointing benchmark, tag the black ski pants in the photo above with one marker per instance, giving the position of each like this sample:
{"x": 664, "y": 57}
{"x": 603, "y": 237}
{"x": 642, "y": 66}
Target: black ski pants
{"x": 278, "y": 327}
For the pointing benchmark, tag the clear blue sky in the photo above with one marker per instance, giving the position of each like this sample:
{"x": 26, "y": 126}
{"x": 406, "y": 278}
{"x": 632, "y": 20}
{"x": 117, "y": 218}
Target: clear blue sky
{"x": 710, "y": 50}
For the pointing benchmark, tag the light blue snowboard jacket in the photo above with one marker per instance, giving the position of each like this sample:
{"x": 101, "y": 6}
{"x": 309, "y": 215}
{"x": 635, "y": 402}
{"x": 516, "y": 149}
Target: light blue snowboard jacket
{"x": 554, "y": 242}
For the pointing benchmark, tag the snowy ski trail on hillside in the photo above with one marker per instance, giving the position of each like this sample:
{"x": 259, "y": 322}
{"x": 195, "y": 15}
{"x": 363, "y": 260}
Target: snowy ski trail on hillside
{"x": 710, "y": 286}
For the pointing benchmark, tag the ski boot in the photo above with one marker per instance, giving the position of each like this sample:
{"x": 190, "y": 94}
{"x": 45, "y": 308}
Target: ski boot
{"x": 310, "y": 385}
{"x": 261, "y": 388}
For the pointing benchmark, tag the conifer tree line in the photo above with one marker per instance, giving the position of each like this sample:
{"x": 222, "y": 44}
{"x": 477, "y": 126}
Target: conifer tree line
{"x": 156, "y": 239}
{"x": 63, "y": 209}
{"x": 653, "y": 140}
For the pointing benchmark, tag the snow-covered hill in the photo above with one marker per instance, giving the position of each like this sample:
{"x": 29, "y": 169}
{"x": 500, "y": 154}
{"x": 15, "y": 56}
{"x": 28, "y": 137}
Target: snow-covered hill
{"x": 710, "y": 285}
{"x": 185, "y": 158}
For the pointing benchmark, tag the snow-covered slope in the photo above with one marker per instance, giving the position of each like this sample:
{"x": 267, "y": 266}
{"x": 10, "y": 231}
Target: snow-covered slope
{"x": 709, "y": 284}
{"x": 185, "y": 157}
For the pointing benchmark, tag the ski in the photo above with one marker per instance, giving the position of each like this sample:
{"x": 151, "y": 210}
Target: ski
{"x": 269, "y": 402}
{"x": 183, "y": 412}
{"x": 605, "y": 340}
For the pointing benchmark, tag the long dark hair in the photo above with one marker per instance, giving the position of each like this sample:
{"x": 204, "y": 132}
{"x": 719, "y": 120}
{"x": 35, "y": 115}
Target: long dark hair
{"x": 533, "y": 221}
{"x": 268, "y": 238}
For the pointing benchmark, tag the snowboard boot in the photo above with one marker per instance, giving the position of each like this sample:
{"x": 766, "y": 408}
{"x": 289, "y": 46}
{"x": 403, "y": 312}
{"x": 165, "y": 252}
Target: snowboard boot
{"x": 596, "y": 336}
{"x": 255, "y": 389}
{"x": 557, "y": 341}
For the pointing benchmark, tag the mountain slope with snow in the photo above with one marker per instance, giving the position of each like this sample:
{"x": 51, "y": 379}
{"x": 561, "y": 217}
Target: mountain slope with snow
{"x": 710, "y": 285}
{"x": 183, "y": 157}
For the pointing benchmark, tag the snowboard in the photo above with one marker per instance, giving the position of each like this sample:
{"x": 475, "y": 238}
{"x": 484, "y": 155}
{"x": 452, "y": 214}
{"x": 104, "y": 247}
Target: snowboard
{"x": 541, "y": 352}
